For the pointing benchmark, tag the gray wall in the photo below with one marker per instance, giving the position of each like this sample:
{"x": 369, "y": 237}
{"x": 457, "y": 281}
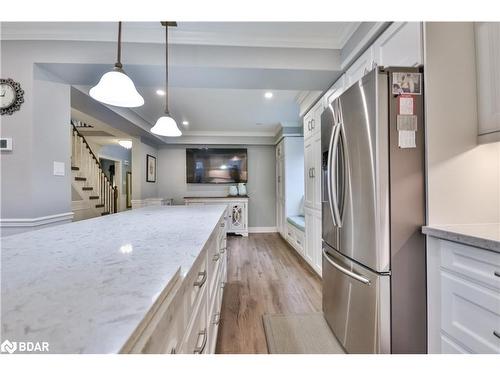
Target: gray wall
{"x": 463, "y": 177}
{"x": 261, "y": 181}
{"x": 40, "y": 133}
{"x": 140, "y": 188}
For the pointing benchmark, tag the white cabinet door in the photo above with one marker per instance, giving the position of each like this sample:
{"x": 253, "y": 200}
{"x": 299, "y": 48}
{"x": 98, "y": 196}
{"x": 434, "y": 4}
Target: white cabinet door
{"x": 308, "y": 179}
{"x": 360, "y": 67}
{"x": 400, "y": 45}
{"x": 316, "y": 230}
{"x": 307, "y": 124}
{"x": 237, "y": 220}
{"x": 309, "y": 240}
{"x": 316, "y": 171}
{"x": 487, "y": 36}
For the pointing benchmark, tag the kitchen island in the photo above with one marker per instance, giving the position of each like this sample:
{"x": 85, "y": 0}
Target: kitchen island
{"x": 136, "y": 281}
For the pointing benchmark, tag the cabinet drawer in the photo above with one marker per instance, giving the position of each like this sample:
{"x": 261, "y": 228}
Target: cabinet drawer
{"x": 196, "y": 338}
{"x": 480, "y": 265}
{"x": 295, "y": 237}
{"x": 168, "y": 330}
{"x": 214, "y": 317}
{"x": 470, "y": 314}
{"x": 196, "y": 281}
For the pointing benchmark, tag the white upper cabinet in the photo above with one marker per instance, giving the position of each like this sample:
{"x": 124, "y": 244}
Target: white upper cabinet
{"x": 399, "y": 45}
{"x": 487, "y": 36}
{"x": 363, "y": 65}
{"x": 312, "y": 119}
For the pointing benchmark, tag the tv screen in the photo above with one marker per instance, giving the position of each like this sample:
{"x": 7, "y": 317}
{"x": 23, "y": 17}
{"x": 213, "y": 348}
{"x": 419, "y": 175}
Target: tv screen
{"x": 216, "y": 165}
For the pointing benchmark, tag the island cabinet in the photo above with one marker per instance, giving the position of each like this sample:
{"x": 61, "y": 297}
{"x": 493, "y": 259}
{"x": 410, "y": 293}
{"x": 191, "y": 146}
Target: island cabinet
{"x": 187, "y": 319}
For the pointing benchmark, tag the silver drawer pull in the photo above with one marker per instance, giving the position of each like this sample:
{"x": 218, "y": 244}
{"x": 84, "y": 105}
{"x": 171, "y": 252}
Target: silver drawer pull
{"x": 222, "y": 284}
{"x": 496, "y": 273}
{"x": 497, "y": 334}
{"x": 216, "y": 320}
{"x": 216, "y": 257}
{"x": 223, "y": 250}
{"x": 200, "y": 283}
{"x": 299, "y": 242}
{"x": 199, "y": 349}
{"x": 222, "y": 225}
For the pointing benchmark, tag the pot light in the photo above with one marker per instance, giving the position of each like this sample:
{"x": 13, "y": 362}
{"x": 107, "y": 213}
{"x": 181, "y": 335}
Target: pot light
{"x": 125, "y": 143}
{"x": 185, "y": 123}
{"x": 166, "y": 125}
{"x": 160, "y": 92}
{"x": 268, "y": 95}
{"x": 115, "y": 87}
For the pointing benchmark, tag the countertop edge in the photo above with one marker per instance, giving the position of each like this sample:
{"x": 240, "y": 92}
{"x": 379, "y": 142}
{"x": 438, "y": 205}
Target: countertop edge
{"x": 169, "y": 291}
{"x": 467, "y": 239}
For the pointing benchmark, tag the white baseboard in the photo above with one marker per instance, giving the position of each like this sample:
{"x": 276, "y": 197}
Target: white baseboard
{"x": 262, "y": 229}
{"x": 17, "y": 225}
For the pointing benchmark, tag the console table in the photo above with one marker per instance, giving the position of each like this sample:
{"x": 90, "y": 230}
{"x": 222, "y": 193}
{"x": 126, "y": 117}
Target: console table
{"x": 237, "y": 221}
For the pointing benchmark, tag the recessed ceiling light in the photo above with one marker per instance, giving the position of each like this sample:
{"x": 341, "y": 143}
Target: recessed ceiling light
{"x": 268, "y": 95}
{"x": 160, "y": 92}
{"x": 185, "y": 123}
{"x": 125, "y": 143}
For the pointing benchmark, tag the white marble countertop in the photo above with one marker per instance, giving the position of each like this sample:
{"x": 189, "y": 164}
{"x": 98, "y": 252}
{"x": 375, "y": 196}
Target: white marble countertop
{"x": 486, "y": 236}
{"x": 84, "y": 287}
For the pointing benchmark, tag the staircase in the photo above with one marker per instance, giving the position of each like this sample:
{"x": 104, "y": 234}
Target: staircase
{"x": 88, "y": 177}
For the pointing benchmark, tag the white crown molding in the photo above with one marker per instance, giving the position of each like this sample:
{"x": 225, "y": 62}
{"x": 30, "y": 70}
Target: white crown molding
{"x": 36, "y": 221}
{"x": 361, "y": 45}
{"x": 79, "y": 31}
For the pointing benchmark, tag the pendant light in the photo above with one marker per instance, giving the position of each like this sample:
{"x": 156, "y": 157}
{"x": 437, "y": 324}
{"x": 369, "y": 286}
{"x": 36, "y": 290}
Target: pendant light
{"x": 115, "y": 87}
{"x": 166, "y": 125}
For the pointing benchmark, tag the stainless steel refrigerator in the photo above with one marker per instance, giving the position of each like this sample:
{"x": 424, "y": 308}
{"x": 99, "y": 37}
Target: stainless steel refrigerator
{"x": 373, "y": 206}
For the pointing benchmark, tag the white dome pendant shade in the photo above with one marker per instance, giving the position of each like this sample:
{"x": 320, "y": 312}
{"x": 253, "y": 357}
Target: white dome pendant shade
{"x": 166, "y": 125}
{"x": 115, "y": 87}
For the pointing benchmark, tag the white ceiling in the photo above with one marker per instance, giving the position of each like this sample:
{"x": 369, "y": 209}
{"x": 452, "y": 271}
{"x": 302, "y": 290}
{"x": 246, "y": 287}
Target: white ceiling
{"x": 329, "y": 35}
{"x": 219, "y": 71}
{"x": 223, "y": 110}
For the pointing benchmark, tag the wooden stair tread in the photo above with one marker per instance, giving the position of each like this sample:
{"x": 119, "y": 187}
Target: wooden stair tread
{"x": 75, "y": 168}
{"x": 104, "y": 213}
{"x": 99, "y": 205}
{"x": 87, "y": 188}
{"x": 80, "y": 179}
{"x": 94, "y": 197}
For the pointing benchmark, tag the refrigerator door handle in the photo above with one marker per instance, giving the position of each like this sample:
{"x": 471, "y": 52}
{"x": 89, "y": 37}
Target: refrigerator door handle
{"x": 345, "y": 271}
{"x": 329, "y": 173}
{"x": 332, "y": 188}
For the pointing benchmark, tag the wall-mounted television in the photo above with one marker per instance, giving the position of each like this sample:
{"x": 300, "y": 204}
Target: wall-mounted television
{"x": 216, "y": 165}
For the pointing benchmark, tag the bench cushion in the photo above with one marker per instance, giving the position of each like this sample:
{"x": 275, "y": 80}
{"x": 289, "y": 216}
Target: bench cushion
{"x": 297, "y": 221}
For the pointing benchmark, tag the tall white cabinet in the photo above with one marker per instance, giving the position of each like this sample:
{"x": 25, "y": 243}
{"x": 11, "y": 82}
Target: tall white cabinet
{"x": 289, "y": 180}
{"x": 312, "y": 186}
{"x": 487, "y": 35}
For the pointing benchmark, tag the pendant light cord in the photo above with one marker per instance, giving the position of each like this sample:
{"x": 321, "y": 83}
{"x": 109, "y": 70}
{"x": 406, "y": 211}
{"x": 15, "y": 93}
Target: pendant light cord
{"x": 118, "y": 63}
{"x": 166, "y": 69}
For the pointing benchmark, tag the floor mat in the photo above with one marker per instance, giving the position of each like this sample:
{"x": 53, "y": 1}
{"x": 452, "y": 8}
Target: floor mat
{"x": 299, "y": 334}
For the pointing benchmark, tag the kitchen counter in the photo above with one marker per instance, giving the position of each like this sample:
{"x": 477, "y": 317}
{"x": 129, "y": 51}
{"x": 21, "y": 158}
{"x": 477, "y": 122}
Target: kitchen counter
{"x": 485, "y": 236}
{"x": 84, "y": 287}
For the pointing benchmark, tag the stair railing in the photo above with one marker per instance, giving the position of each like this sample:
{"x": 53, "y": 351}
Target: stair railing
{"x": 87, "y": 162}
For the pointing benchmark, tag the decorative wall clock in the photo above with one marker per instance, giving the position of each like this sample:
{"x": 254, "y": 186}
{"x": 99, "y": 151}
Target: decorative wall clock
{"x": 11, "y": 96}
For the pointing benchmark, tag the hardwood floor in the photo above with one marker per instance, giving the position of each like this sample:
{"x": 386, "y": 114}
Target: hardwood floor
{"x": 265, "y": 275}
